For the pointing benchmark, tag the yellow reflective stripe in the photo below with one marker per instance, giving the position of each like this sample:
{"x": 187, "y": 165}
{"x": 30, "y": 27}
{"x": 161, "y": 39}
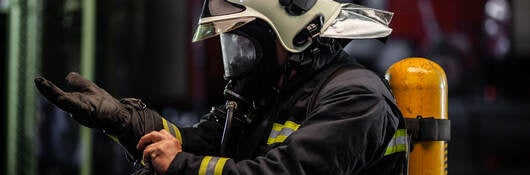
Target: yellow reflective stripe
{"x": 212, "y": 165}
{"x": 174, "y": 130}
{"x": 204, "y": 165}
{"x": 218, "y": 170}
{"x": 390, "y": 150}
{"x": 164, "y": 123}
{"x": 114, "y": 138}
{"x": 177, "y": 132}
{"x": 395, "y": 149}
{"x": 291, "y": 125}
{"x": 270, "y": 140}
{"x": 400, "y": 133}
{"x": 280, "y": 138}
{"x": 280, "y": 132}
{"x": 398, "y": 143}
{"x": 277, "y": 127}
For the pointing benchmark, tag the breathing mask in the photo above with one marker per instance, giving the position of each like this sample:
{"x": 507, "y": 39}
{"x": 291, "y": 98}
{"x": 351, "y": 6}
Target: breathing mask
{"x": 250, "y": 63}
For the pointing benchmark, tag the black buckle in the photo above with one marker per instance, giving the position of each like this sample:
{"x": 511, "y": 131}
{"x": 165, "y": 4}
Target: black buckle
{"x": 311, "y": 30}
{"x": 137, "y": 103}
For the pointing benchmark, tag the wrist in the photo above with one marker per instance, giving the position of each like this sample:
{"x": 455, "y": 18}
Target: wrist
{"x": 126, "y": 117}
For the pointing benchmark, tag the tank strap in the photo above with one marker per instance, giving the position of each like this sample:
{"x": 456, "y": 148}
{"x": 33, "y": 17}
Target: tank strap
{"x": 429, "y": 129}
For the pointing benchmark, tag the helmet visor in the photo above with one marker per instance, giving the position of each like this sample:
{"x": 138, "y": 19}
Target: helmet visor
{"x": 219, "y": 16}
{"x": 239, "y": 54}
{"x": 211, "y": 29}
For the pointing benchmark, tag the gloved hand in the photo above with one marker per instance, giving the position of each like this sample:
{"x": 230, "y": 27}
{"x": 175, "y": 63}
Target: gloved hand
{"x": 127, "y": 119}
{"x": 89, "y": 104}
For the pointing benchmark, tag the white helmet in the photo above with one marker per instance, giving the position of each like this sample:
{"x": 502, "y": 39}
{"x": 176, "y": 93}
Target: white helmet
{"x": 295, "y": 22}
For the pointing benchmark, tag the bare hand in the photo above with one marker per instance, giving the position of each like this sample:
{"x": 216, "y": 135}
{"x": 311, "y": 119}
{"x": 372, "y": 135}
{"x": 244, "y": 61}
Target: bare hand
{"x": 160, "y": 148}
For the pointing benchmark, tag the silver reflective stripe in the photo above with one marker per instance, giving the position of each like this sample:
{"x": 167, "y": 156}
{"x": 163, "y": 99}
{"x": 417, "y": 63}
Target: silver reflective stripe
{"x": 166, "y": 126}
{"x": 170, "y": 128}
{"x": 286, "y": 131}
{"x": 280, "y": 132}
{"x": 211, "y": 166}
{"x": 274, "y": 134}
{"x": 399, "y": 142}
{"x": 283, "y": 132}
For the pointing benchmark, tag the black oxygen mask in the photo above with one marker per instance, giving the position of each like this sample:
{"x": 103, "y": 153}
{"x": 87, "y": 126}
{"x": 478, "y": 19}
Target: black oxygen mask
{"x": 250, "y": 64}
{"x": 252, "y": 70}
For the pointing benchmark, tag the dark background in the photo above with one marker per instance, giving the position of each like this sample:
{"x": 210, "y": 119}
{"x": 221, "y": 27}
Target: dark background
{"x": 143, "y": 50}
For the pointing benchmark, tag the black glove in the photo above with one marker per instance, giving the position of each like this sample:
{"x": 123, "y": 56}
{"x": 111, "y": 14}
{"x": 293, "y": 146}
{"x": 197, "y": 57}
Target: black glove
{"x": 127, "y": 119}
{"x": 89, "y": 105}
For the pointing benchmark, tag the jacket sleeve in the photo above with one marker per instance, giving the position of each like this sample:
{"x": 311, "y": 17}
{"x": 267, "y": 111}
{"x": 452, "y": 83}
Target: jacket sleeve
{"x": 203, "y": 138}
{"x": 347, "y": 130}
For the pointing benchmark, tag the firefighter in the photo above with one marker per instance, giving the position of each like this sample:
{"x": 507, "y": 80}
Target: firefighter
{"x": 296, "y": 102}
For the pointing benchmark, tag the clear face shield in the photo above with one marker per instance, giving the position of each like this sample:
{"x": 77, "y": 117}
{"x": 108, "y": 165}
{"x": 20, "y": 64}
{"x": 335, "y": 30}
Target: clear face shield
{"x": 239, "y": 54}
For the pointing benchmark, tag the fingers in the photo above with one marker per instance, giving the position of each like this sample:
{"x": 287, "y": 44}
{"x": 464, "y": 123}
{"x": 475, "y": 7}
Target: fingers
{"x": 151, "y": 152}
{"x": 161, "y": 153}
{"x": 69, "y": 102}
{"x": 48, "y": 89}
{"x": 80, "y": 83}
{"x": 153, "y": 138}
{"x": 147, "y": 139}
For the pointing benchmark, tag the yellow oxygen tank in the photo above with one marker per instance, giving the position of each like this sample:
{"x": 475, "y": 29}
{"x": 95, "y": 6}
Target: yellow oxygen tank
{"x": 420, "y": 88}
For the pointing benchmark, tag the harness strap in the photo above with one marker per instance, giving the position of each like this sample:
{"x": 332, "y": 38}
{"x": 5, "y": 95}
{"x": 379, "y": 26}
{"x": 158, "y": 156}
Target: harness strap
{"x": 429, "y": 129}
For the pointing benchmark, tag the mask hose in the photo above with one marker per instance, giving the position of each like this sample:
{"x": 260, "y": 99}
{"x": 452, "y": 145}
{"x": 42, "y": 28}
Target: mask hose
{"x": 231, "y": 106}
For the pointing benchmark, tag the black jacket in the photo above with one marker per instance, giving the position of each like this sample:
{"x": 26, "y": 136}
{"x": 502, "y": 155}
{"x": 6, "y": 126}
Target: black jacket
{"x": 338, "y": 118}
{"x": 350, "y": 127}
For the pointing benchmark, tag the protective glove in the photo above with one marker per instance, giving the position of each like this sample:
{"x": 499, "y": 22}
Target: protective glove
{"x": 89, "y": 105}
{"x": 127, "y": 119}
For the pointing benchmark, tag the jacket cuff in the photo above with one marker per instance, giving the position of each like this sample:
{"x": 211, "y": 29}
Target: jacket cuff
{"x": 184, "y": 163}
{"x": 187, "y": 163}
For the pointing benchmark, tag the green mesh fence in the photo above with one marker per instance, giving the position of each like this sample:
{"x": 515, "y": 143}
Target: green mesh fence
{"x": 24, "y": 52}
{"x": 22, "y": 64}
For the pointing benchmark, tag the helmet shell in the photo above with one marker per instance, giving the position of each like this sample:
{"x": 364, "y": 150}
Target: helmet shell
{"x": 346, "y": 20}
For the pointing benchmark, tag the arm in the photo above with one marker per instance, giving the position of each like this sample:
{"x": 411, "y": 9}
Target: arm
{"x": 125, "y": 120}
{"x": 204, "y": 138}
{"x": 348, "y": 129}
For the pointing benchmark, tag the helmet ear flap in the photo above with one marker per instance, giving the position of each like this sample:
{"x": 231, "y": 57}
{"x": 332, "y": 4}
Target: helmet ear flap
{"x": 297, "y": 7}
